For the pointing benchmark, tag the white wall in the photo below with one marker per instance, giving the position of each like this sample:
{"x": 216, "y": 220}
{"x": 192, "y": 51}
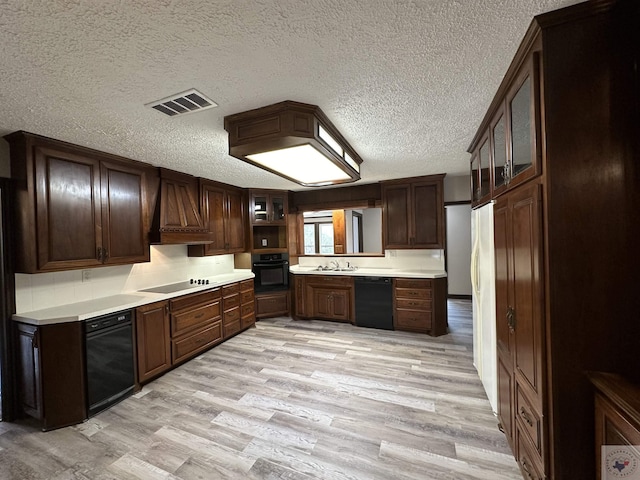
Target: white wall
{"x": 348, "y": 225}
{"x": 459, "y": 248}
{"x": 457, "y": 188}
{"x": 372, "y": 230}
{"x": 169, "y": 264}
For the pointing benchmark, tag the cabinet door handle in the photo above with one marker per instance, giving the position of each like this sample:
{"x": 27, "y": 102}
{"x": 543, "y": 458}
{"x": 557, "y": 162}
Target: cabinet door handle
{"x": 99, "y": 254}
{"x": 506, "y": 173}
{"x": 511, "y": 319}
{"x": 105, "y": 255}
{"x": 526, "y": 417}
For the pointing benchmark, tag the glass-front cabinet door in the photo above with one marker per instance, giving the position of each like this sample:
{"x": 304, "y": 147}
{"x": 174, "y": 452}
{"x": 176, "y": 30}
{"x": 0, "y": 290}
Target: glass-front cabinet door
{"x": 485, "y": 169}
{"x": 481, "y": 173}
{"x": 499, "y": 147}
{"x": 520, "y": 110}
{"x": 268, "y": 207}
{"x": 277, "y": 208}
{"x": 523, "y": 113}
{"x": 260, "y": 213}
{"x": 475, "y": 179}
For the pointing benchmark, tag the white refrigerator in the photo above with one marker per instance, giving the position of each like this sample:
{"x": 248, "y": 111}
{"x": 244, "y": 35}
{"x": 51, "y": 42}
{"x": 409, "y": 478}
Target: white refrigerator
{"x": 484, "y": 300}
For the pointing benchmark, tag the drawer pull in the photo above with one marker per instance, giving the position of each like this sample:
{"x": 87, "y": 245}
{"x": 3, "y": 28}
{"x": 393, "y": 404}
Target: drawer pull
{"x": 200, "y": 315}
{"x": 526, "y": 417}
{"x": 525, "y": 467}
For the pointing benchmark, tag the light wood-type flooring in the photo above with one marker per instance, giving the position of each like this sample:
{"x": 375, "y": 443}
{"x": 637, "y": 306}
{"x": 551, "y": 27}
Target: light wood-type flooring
{"x": 292, "y": 400}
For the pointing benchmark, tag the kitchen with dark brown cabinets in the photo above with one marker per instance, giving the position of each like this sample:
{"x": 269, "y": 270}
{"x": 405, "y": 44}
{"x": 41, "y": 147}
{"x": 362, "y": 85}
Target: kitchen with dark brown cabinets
{"x": 150, "y": 282}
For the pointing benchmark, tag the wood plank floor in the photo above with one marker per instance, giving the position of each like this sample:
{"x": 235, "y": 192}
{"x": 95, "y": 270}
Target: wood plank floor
{"x": 291, "y": 400}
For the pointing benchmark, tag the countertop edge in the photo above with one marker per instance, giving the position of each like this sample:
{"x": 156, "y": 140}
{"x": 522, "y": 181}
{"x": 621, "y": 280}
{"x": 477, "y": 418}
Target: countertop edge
{"x": 371, "y": 272}
{"x": 55, "y": 315}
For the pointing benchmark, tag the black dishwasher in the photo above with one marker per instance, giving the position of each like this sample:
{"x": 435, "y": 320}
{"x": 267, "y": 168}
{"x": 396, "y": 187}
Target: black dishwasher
{"x": 374, "y": 302}
{"x": 109, "y": 354}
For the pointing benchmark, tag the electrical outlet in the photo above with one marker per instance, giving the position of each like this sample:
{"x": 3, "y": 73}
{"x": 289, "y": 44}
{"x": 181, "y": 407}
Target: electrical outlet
{"x": 86, "y": 275}
{"x": 392, "y": 253}
{"x": 264, "y": 242}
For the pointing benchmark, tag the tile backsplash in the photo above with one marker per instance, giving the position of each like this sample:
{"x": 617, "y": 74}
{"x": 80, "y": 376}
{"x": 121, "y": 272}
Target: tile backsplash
{"x": 393, "y": 259}
{"x": 169, "y": 263}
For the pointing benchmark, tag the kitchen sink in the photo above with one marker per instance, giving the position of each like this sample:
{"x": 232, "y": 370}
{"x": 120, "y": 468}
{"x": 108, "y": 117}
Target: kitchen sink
{"x": 334, "y": 269}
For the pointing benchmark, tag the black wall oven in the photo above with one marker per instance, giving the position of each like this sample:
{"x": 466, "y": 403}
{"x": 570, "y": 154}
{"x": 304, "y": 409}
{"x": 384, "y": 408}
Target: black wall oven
{"x": 271, "y": 271}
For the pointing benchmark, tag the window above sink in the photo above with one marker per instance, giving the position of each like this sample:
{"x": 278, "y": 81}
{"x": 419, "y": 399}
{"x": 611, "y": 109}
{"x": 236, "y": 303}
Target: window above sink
{"x": 343, "y": 232}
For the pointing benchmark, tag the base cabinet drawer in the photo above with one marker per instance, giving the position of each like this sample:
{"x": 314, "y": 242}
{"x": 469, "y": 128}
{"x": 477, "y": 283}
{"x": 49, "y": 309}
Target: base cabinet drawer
{"x": 413, "y": 320}
{"x": 189, "y": 345}
{"x": 246, "y": 297}
{"x": 247, "y": 321}
{"x": 231, "y": 316}
{"x": 413, "y": 283}
{"x": 420, "y": 305}
{"x": 272, "y": 304}
{"x": 413, "y": 293}
{"x": 529, "y": 461}
{"x": 529, "y": 420}
{"x": 192, "y": 319}
{"x": 231, "y": 301}
{"x": 231, "y": 328}
{"x": 414, "y": 304}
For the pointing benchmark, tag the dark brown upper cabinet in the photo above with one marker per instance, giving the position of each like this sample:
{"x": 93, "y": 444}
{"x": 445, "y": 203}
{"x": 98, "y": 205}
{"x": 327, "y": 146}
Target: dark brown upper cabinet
{"x": 177, "y": 219}
{"x": 506, "y": 151}
{"x": 223, "y": 212}
{"x": 413, "y": 213}
{"x": 481, "y": 174}
{"x": 268, "y": 210}
{"x": 76, "y": 207}
{"x": 268, "y": 207}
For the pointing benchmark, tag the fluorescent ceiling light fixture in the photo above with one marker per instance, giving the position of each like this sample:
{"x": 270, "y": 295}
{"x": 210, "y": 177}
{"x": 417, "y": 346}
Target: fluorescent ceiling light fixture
{"x": 304, "y": 163}
{"x": 294, "y": 140}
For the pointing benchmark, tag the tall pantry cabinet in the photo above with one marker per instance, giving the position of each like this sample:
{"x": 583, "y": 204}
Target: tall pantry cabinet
{"x": 562, "y": 140}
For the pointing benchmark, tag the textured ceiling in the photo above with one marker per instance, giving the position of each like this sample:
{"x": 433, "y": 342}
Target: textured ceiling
{"x": 406, "y": 82}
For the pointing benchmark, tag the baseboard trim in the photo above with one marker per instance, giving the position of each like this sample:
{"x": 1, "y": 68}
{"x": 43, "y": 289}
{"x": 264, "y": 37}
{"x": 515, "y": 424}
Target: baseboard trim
{"x": 459, "y": 297}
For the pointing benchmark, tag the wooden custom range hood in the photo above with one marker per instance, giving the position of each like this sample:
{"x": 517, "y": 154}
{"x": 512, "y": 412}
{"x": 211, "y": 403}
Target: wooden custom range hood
{"x": 177, "y": 218}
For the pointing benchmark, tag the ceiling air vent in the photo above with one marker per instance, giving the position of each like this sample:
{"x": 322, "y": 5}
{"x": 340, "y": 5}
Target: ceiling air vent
{"x": 181, "y": 103}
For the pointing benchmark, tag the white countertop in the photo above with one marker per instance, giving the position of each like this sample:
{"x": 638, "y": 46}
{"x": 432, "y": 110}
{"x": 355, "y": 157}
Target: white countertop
{"x": 370, "y": 272}
{"x": 75, "y": 312}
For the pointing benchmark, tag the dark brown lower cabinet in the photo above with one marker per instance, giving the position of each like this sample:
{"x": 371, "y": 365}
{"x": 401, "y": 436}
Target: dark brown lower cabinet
{"x": 272, "y": 304}
{"x": 153, "y": 338}
{"x": 329, "y": 297}
{"x": 420, "y": 305}
{"x": 520, "y": 326}
{"x": 247, "y": 304}
{"x": 231, "y": 318}
{"x": 617, "y": 415}
{"x": 196, "y": 324}
{"x": 330, "y": 303}
{"x": 51, "y": 373}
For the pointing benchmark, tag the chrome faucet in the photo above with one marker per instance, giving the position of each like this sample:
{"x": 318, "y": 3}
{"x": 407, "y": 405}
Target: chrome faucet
{"x": 337, "y": 265}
